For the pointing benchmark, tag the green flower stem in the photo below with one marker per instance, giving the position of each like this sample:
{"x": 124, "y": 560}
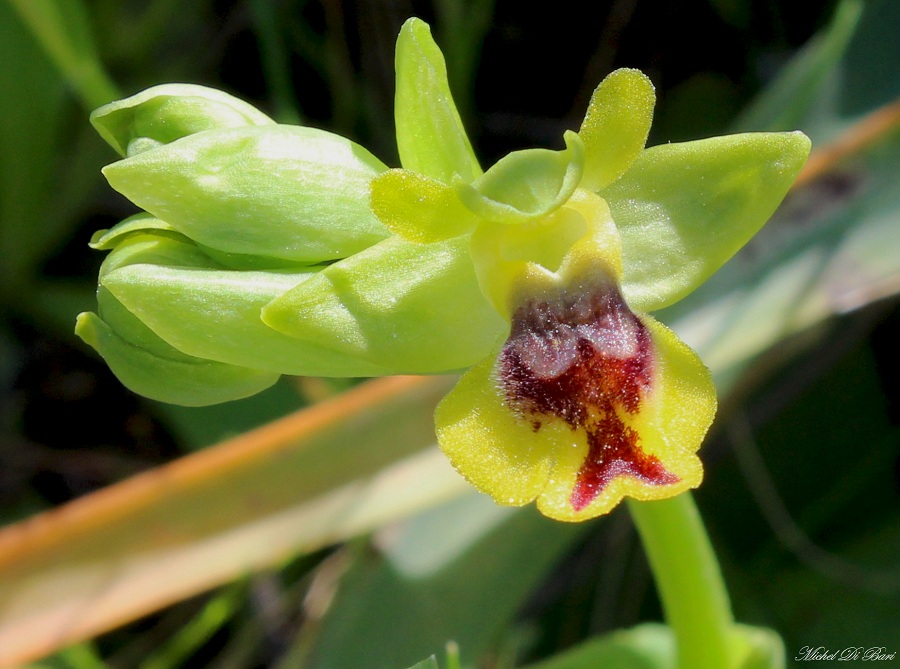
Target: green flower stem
{"x": 688, "y": 579}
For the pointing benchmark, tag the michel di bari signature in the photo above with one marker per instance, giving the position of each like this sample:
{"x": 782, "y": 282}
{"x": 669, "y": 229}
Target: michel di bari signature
{"x": 820, "y": 653}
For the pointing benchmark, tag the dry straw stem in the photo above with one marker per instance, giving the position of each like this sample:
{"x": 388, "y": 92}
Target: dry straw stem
{"x": 865, "y": 132}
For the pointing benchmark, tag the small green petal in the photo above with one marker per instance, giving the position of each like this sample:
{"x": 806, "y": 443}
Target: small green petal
{"x": 106, "y": 240}
{"x": 193, "y": 382}
{"x": 144, "y": 223}
{"x": 419, "y": 208}
{"x": 253, "y": 262}
{"x": 169, "y": 112}
{"x": 430, "y": 135}
{"x": 154, "y": 247}
{"x": 528, "y": 184}
{"x": 616, "y": 126}
{"x": 398, "y": 304}
{"x": 582, "y": 232}
{"x": 684, "y": 209}
{"x": 298, "y": 194}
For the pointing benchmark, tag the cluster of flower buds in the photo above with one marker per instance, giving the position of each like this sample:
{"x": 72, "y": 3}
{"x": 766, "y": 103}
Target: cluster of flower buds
{"x": 267, "y": 249}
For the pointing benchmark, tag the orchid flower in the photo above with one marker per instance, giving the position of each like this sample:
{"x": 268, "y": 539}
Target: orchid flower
{"x": 267, "y": 249}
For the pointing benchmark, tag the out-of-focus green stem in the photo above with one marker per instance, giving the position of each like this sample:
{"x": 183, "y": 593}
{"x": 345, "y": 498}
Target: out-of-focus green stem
{"x": 275, "y": 61}
{"x": 688, "y": 579}
{"x": 452, "y": 655}
{"x": 63, "y": 31}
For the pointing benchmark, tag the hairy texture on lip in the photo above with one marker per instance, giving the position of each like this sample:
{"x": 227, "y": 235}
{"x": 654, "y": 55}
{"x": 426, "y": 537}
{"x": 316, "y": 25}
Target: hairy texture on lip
{"x": 584, "y": 358}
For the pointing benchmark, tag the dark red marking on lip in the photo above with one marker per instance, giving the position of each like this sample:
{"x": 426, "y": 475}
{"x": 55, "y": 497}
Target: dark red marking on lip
{"x": 583, "y": 357}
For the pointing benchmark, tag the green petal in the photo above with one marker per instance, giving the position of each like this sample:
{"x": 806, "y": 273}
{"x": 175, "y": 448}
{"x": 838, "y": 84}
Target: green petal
{"x": 106, "y": 240}
{"x": 192, "y": 382}
{"x": 528, "y": 184}
{"x": 430, "y": 135}
{"x": 153, "y": 246}
{"x": 169, "y": 112}
{"x": 684, "y": 209}
{"x": 215, "y": 314}
{"x": 144, "y": 223}
{"x": 616, "y": 126}
{"x": 286, "y": 192}
{"x": 411, "y": 308}
{"x": 419, "y": 208}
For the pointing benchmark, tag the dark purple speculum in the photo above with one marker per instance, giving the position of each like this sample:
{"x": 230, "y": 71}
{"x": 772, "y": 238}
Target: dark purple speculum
{"x": 581, "y": 356}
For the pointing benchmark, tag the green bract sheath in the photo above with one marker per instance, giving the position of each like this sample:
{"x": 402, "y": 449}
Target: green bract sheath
{"x": 267, "y": 249}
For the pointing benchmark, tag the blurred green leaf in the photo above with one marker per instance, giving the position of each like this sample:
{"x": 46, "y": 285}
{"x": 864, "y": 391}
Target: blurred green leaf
{"x": 177, "y": 651}
{"x": 200, "y": 427}
{"x": 63, "y": 30}
{"x": 735, "y": 12}
{"x": 652, "y": 646}
{"x": 819, "y": 522}
{"x": 31, "y": 104}
{"x": 649, "y": 646}
{"x": 460, "y": 571}
{"x": 842, "y": 74}
{"x": 430, "y": 663}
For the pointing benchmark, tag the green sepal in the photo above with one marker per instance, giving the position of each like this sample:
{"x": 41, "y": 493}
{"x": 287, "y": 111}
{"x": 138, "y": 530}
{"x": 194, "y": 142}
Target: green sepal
{"x": 157, "y": 248}
{"x": 169, "y": 112}
{"x": 208, "y": 312}
{"x": 616, "y": 126}
{"x": 397, "y": 304}
{"x": 298, "y": 194}
{"x": 683, "y": 210}
{"x": 193, "y": 382}
{"x": 527, "y": 184}
{"x": 419, "y": 208}
{"x": 431, "y": 139}
{"x": 144, "y": 223}
{"x": 143, "y": 361}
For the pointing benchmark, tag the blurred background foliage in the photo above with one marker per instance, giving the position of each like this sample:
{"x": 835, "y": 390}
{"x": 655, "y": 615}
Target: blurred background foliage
{"x": 801, "y": 495}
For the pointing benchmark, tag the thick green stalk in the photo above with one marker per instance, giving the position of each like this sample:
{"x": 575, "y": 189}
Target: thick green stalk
{"x": 688, "y": 579}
